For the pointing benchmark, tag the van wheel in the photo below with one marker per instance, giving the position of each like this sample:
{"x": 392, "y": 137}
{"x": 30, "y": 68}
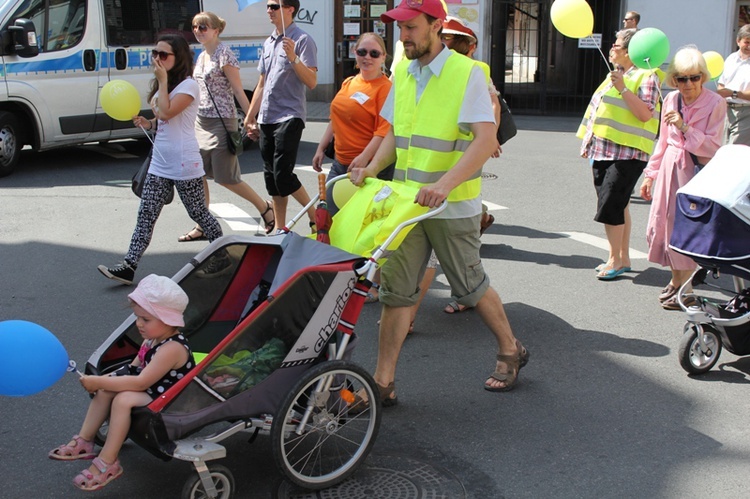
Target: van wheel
{"x": 10, "y": 144}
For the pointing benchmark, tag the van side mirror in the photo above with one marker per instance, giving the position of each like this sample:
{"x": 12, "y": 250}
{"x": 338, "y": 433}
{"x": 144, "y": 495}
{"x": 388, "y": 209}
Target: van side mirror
{"x": 23, "y": 36}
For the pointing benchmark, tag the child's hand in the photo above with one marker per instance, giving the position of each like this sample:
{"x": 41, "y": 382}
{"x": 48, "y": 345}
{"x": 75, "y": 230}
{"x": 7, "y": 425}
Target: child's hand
{"x": 90, "y": 383}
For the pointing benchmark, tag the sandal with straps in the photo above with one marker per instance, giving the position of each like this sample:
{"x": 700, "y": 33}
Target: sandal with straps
{"x": 514, "y": 364}
{"x": 89, "y": 482}
{"x": 82, "y": 449}
{"x": 360, "y": 405}
{"x": 272, "y": 224}
{"x": 187, "y": 237}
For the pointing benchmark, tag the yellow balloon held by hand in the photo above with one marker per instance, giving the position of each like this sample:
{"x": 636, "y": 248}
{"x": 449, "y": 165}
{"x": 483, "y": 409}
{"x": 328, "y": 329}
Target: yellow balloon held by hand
{"x": 120, "y": 100}
{"x": 715, "y": 63}
{"x": 572, "y": 18}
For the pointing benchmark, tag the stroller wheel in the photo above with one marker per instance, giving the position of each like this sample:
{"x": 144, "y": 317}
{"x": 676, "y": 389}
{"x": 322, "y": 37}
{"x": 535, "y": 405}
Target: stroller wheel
{"x": 693, "y": 358}
{"x": 315, "y": 441}
{"x": 223, "y": 482}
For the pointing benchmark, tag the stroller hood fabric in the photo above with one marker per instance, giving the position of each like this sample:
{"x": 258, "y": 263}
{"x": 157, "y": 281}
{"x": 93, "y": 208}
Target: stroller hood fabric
{"x": 725, "y": 180}
{"x": 712, "y": 215}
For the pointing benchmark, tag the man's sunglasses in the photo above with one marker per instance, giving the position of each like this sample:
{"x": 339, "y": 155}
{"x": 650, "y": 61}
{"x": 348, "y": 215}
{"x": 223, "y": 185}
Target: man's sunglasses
{"x": 373, "y": 53}
{"x": 273, "y": 6}
{"x": 163, "y": 56}
{"x": 684, "y": 79}
{"x": 200, "y": 27}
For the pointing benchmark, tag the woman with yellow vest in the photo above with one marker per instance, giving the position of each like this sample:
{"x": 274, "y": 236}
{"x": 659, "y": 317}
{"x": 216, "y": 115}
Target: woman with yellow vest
{"x": 618, "y": 132}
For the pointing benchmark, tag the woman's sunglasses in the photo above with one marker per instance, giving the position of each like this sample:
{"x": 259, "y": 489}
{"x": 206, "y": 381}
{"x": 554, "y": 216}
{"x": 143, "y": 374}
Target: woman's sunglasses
{"x": 684, "y": 79}
{"x": 273, "y": 6}
{"x": 163, "y": 56}
{"x": 200, "y": 27}
{"x": 373, "y": 53}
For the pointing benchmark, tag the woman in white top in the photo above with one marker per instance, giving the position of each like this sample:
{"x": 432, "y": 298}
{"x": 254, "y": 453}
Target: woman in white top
{"x": 176, "y": 161}
{"x": 217, "y": 72}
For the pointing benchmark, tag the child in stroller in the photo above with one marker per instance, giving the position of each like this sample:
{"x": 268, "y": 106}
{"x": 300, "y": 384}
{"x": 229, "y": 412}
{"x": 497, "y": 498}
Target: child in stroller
{"x": 164, "y": 358}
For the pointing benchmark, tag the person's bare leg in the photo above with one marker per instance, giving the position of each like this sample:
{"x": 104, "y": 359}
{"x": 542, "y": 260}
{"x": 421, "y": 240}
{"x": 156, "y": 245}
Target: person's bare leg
{"x": 491, "y": 310}
{"x": 424, "y": 286}
{"x": 301, "y": 196}
{"x": 97, "y": 414}
{"x": 614, "y": 237}
{"x": 625, "y": 241}
{"x": 279, "y": 210}
{"x": 394, "y": 326}
{"x": 246, "y": 192}
{"x": 119, "y": 423}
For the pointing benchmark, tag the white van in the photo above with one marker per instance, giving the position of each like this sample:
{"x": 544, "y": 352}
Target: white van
{"x": 55, "y": 56}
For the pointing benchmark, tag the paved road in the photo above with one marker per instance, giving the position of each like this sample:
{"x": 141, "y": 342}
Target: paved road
{"x": 602, "y": 410}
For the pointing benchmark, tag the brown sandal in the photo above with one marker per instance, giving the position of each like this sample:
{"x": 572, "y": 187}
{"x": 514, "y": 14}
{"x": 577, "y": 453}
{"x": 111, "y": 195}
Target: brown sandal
{"x": 360, "y": 405}
{"x": 511, "y": 377}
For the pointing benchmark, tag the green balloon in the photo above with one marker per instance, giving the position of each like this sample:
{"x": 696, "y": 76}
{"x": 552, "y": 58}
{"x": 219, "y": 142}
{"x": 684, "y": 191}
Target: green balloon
{"x": 649, "y": 48}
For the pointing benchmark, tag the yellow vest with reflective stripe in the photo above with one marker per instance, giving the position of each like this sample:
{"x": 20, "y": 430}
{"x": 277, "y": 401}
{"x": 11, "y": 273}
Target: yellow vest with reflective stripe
{"x": 614, "y": 120}
{"x": 428, "y": 139}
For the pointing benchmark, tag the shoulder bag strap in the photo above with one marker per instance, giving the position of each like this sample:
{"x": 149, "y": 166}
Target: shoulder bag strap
{"x": 205, "y": 82}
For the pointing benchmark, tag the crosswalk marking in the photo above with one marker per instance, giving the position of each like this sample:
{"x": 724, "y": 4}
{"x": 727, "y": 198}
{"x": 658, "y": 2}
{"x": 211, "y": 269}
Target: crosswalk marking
{"x": 235, "y": 217}
{"x": 599, "y": 242}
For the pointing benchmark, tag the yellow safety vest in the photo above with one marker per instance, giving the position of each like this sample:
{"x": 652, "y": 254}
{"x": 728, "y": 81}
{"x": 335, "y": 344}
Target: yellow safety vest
{"x": 614, "y": 120}
{"x": 428, "y": 139}
{"x": 372, "y": 214}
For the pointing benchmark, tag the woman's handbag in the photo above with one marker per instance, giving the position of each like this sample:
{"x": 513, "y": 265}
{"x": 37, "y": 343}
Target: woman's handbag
{"x": 234, "y": 139}
{"x": 140, "y": 178}
{"x": 507, "y": 129}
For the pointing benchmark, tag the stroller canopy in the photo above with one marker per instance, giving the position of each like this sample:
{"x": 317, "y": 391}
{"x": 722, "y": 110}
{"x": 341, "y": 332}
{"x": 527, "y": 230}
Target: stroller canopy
{"x": 725, "y": 180}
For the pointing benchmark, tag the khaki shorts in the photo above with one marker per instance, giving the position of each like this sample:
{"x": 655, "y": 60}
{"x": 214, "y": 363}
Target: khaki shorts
{"x": 456, "y": 244}
{"x": 218, "y": 162}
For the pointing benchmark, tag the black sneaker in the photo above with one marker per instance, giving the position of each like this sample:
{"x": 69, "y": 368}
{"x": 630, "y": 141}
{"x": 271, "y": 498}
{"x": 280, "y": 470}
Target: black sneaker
{"x": 219, "y": 265}
{"x": 123, "y": 272}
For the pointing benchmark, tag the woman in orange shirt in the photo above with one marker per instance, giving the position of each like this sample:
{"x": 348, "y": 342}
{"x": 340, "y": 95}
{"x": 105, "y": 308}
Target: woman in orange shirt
{"x": 355, "y": 114}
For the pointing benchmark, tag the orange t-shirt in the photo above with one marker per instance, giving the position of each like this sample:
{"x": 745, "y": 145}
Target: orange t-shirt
{"x": 355, "y": 115}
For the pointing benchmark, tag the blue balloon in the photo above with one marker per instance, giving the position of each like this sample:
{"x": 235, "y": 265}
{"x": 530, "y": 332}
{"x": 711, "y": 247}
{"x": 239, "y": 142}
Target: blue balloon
{"x": 33, "y": 359}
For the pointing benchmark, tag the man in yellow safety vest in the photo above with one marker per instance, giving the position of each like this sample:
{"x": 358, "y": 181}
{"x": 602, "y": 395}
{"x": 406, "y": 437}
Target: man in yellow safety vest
{"x": 443, "y": 131}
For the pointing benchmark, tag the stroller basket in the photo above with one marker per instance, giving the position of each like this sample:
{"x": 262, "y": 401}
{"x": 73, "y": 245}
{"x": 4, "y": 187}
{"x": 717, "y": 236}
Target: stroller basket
{"x": 712, "y": 218}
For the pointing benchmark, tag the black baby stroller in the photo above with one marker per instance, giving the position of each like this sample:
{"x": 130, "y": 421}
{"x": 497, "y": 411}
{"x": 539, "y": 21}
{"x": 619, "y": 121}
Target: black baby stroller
{"x": 712, "y": 226}
{"x": 273, "y": 334}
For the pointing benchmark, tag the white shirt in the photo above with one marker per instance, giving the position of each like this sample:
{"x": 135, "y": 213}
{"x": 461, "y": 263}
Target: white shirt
{"x": 475, "y": 108}
{"x": 176, "y": 154}
{"x": 736, "y": 76}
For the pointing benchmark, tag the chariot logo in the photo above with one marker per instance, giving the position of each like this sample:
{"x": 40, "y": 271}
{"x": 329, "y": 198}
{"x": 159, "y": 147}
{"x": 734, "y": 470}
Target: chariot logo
{"x": 329, "y": 328}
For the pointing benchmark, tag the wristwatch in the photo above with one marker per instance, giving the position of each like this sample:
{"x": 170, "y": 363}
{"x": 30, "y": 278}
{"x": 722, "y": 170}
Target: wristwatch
{"x": 296, "y": 60}
{"x": 734, "y": 94}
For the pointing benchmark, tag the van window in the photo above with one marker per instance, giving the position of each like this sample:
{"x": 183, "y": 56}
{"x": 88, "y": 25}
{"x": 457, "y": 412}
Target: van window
{"x": 141, "y": 22}
{"x": 59, "y": 23}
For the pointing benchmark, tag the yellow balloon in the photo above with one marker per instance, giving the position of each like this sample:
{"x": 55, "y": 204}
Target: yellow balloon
{"x": 343, "y": 190}
{"x": 715, "y": 63}
{"x": 120, "y": 100}
{"x": 573, "y": 18}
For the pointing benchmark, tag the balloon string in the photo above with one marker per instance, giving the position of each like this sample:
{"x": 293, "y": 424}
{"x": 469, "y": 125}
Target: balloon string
{"x": 598, "y": 46}
{"x": 658, "y": 87}
{"x": 152, "y": 143}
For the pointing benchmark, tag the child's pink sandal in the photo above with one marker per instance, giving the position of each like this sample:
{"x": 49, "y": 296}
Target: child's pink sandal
{"x": 89, "y": 482}
{"x": 83, "y": 449}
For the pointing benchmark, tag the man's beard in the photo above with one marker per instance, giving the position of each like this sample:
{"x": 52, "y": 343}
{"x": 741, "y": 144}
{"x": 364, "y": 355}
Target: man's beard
{"x": 416, "y": 51}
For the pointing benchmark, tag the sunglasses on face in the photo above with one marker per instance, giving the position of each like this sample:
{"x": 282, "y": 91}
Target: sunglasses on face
{"x": 200, "y": 27}
{"x": 273, "y": 6}
{"x": 373, "y": 53}
{"x": 684, "y": 79}
{"x": 163, "y": 56}
{"x": 627, "y": 19}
